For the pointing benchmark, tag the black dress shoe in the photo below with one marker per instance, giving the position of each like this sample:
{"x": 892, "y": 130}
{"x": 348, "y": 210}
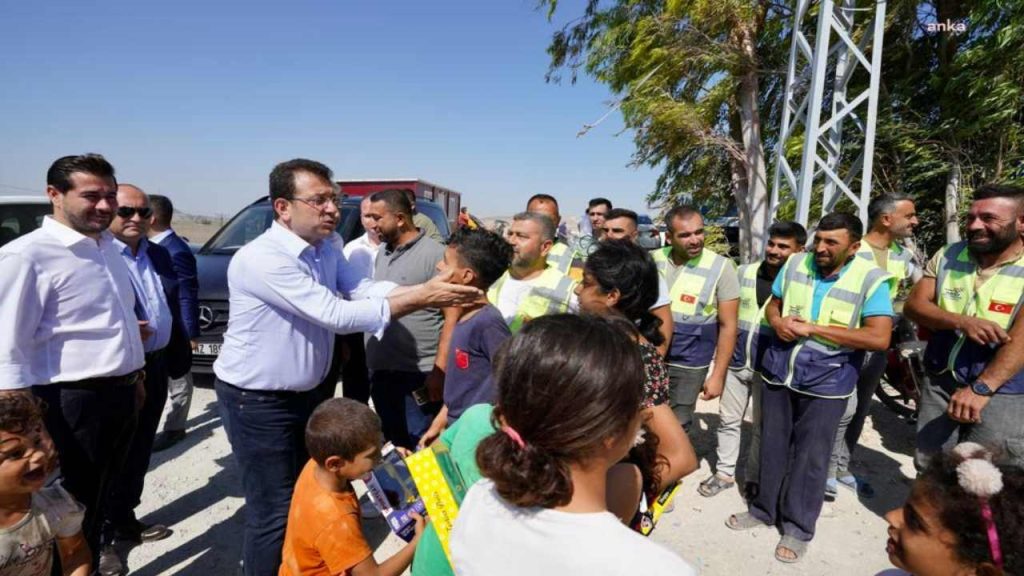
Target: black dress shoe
{"x": 167, "y": 438}
{"x": 110, "y": 563}
{"x": 140, "y": 532}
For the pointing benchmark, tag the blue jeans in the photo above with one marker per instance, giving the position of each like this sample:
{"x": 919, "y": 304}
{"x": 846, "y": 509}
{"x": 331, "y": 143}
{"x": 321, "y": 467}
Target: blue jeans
{"x": 267, "y": 435}
{"x": 797, "y": 432}
{"x": 402, "y": 418}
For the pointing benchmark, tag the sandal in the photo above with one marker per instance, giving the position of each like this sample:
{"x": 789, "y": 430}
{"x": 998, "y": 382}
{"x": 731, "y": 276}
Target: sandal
{"x": 797, "y": 547}
{"x": 714, "y": 485}
{"x": 861, "y": 487}
{"x": 743, "y": 521}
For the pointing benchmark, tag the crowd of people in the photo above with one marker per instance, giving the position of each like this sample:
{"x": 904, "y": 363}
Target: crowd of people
{"x": 560, "y": 373}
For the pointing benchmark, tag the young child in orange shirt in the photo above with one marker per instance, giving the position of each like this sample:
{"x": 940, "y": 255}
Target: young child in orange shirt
{"x": 324, "y": 535}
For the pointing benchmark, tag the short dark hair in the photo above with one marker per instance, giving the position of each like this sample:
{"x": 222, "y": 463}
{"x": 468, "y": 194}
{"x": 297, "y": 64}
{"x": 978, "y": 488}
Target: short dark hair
{"x": 598, "y": 201}
{"x": 1011, "y": 191}
{"x": 163, "y": 209}
{"x": 282, "y": 177}
{"x": 59, "y": 174}
{"x": 788, "y": 229}
{"x": 20, "y": 413}
{"x": 547, "y": 226}
{"x": 396, "y": 199}
{"x": 622, "y": 265}
{"x": 566, "y": 385}
{"x": 621, "y": 213}
{"x": 341, "y": 427}
{"x": 682, "y": 211}
{"x": 885, "y": 204}
{"x": 542, "y": 198}
{"x": 842, "y": 221}
{"x": 482, "y": 251}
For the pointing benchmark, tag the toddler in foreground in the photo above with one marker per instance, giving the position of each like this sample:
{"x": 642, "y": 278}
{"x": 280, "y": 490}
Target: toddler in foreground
{"x": 324, "y": 535}
{"x": 964, "y": 516}
{"x": 33, "y": 518}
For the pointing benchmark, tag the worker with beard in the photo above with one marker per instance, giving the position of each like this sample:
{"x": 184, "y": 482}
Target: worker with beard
{"x": 562, "y": 255}
{"x": 531, "y": 287}
{"x": 970, "y": 297}
{"x": 827, "y": 308}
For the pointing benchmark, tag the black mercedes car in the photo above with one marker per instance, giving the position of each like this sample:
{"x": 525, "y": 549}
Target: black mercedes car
{"x": 213, "y": 258}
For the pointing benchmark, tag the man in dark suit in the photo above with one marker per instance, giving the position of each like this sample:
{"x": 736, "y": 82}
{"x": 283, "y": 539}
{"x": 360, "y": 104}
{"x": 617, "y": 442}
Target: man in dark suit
{"x": 179, "y": 390}
{"x": 168, "y": 354}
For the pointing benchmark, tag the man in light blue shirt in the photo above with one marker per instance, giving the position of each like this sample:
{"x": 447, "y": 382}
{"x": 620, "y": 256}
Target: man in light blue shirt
{"x": 291, "y": 290}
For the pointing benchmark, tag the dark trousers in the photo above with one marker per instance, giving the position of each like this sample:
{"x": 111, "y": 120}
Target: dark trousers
{"x": 92, "y": 423}
{"x": 402, "y": 418}
{"x": 127, "y": 493}
{"x": 355, "y": 376}
{"x": 797, "y": 432}
{"x": 266, "y": 431}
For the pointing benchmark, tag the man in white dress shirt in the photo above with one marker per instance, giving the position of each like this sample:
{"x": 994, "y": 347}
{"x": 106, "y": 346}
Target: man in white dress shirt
{"x": 70, "y": 333}
{"x": 291, "y": 290}
{"x": 360, "y": 253}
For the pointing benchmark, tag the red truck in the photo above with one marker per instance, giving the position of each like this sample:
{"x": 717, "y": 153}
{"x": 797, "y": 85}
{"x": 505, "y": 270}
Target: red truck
{"x": 449, "y": 200}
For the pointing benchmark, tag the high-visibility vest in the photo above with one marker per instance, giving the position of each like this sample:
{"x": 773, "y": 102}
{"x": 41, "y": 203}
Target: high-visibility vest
{"x": 694, "y": 306}
{"x": 566, "y": 260}
{"x": 817, "y": 366}
{"x": 753, "y": 327}
{"x": 897, "y": 264}
{"x": 999, "y": 299}
{"x": 549, "y": 294}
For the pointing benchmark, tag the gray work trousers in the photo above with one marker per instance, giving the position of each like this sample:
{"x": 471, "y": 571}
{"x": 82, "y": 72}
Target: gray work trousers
{"x": 685, "y": 385}
{"x": 852, "y": 423}
{"x": 742, "y": 386}
{"x": 179, "y": 399}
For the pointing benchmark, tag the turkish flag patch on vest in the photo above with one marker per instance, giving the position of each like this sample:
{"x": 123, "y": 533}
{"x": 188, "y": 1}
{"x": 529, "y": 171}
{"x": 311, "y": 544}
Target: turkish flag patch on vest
{"x": 688, "y": 298}
{"x": 1000, "y": 307}
{"x": 461, "y": 359}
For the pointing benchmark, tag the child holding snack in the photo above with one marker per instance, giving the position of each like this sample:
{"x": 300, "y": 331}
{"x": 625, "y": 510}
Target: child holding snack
{"x": 324, "y": 535}
{"x": 568, "y": 392}
{"x": 475, "y": 258}
{"x": 33, "y": 518}
{"x": 964, "y": 516}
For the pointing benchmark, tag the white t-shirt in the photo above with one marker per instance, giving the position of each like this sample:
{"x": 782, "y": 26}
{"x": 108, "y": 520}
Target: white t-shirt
{"x": 361, "y": 254}
{"x": 663, "y": 299}
{"x": 512, "y": 293}
{"x": 26, "y": 548}
{"x": 494, "y": 538}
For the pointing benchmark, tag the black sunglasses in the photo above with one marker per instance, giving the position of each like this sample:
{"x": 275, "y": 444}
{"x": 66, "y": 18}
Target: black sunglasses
{"x": 127, "y": 212}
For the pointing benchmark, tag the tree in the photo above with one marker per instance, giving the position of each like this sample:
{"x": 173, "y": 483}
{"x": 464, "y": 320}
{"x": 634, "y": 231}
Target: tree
{"x": 689, "y": 74}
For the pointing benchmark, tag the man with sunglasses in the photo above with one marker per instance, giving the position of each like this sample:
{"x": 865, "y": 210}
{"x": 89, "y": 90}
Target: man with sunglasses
{"x": 70, "y": 332}
{"x": 291, "y": 290}
{"x": 168, "y": 355}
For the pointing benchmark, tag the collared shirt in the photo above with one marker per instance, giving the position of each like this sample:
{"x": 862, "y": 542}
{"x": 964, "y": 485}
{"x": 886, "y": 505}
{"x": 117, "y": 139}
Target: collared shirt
{"x": 150, "y": 290}
{"x": 68, "y": 309}
{"x": 361, "y": 254}
{"x": 878, "y": 303}
{"x": 287, "y": 300}
{"x": 158, "y": 238}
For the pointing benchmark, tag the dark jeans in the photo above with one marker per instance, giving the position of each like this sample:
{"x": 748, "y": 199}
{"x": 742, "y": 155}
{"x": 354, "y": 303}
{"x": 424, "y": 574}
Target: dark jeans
{"x": 797, "y": 432}
{"x": 92, "y": 423}
{"x": 355, "y": 376}
{"x": 266, "y": 431}
{"x": 403, "y": 420}
{"x": 127, "y": 493}
{"x": 1001, "y": 427}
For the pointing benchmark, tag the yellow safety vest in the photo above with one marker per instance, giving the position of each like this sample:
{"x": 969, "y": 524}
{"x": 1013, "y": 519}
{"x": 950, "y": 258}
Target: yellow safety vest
{"x": 818, "y": 366}
{"x": 566, "y": 260}
{"x": 998, "y": 300}
{"x": 694, "y": 307}
{"x": 897, "y": 264}
{"x": 752, "y": 325}
{"x": 550, "y": 293}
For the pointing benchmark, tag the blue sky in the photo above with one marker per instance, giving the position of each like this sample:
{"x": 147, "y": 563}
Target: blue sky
{"x": 198, "y": 100}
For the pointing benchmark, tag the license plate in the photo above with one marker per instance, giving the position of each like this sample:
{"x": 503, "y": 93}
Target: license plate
{"x": 206, "y": 349}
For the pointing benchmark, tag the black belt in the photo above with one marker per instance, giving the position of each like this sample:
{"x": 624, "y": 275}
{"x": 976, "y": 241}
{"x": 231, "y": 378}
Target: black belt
{"x": 270, "y": 393}
{"x": 105, "y": 381}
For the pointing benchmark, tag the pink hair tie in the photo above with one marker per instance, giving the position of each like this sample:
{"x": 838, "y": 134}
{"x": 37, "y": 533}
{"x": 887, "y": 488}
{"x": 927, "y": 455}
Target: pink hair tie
{"x": 993, "y": 534}
{"x": 511, "y": 433}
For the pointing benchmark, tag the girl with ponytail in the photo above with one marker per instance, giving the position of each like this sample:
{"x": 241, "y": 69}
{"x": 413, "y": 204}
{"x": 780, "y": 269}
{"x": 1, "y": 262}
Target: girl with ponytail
{"x": 620, "y": 280}
{"x": 568, "y": 391}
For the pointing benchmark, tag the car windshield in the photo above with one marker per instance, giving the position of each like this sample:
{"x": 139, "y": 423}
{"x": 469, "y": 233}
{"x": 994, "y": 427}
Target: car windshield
{"x": 644, "y": 219}
{"x": 20, "y": 219}
{"x": 250, "y": 223}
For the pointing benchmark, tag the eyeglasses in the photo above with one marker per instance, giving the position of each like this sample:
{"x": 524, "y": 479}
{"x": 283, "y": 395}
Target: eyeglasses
{"x": 321, "y": 202}
{"x": 127, "y": 212}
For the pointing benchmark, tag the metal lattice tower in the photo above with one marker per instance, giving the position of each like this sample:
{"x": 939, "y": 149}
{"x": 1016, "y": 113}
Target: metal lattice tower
{"x": 832, "y": 59}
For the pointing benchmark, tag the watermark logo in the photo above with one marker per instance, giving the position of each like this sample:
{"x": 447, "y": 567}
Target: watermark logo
{"x": 955, "y": 27}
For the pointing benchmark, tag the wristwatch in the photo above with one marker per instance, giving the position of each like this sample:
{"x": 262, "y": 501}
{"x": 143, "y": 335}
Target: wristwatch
{"x": 981, "y": 389}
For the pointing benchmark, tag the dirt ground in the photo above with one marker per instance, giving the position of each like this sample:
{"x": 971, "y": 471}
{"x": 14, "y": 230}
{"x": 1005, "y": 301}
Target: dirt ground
{"x": 194, "y": 487}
